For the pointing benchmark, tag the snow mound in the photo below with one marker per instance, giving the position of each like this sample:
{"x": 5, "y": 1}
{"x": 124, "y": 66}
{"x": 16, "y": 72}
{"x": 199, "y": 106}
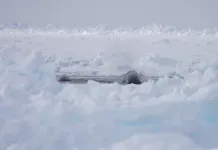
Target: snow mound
{"x": 37, "y": 112}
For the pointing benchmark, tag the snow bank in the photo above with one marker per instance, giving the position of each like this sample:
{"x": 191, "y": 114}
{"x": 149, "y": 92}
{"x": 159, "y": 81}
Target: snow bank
{"x": 36, "y": 112}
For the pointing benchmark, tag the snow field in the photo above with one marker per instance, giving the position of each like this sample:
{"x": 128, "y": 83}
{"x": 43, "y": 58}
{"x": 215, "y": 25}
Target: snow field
{"x": 36, "y": 112}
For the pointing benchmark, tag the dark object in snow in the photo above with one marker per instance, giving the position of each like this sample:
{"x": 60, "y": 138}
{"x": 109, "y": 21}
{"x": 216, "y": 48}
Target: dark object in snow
{"x": 131, "y": 77}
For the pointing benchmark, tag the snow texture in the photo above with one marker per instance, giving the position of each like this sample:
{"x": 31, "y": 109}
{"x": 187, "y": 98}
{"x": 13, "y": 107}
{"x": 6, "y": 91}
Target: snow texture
{"x": 38, "y": 113}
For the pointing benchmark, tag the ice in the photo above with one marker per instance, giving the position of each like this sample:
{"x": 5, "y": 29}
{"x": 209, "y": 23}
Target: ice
{"x": 38, "y": 113}
{"x": 158, "y": 142}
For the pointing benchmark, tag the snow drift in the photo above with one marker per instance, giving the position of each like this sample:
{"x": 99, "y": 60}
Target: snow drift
{"x": 36, "y": 112}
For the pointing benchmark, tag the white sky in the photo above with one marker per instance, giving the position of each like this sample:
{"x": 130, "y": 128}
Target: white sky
{"x": 113, "y": 13}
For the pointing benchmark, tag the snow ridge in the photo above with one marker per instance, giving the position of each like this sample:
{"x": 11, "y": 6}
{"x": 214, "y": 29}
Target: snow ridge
{"x": 153, "y": 29}
{"x": 38, "y": 113}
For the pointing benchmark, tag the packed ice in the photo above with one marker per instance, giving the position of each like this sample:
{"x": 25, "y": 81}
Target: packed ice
{"x": 38, "y": 113}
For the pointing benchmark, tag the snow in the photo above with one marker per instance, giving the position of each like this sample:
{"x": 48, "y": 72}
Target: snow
{"x": 38, "y": 113}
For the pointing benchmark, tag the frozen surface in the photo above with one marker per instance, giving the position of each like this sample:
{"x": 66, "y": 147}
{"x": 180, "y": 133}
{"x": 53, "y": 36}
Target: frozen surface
{"x": 37, "y": 113}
